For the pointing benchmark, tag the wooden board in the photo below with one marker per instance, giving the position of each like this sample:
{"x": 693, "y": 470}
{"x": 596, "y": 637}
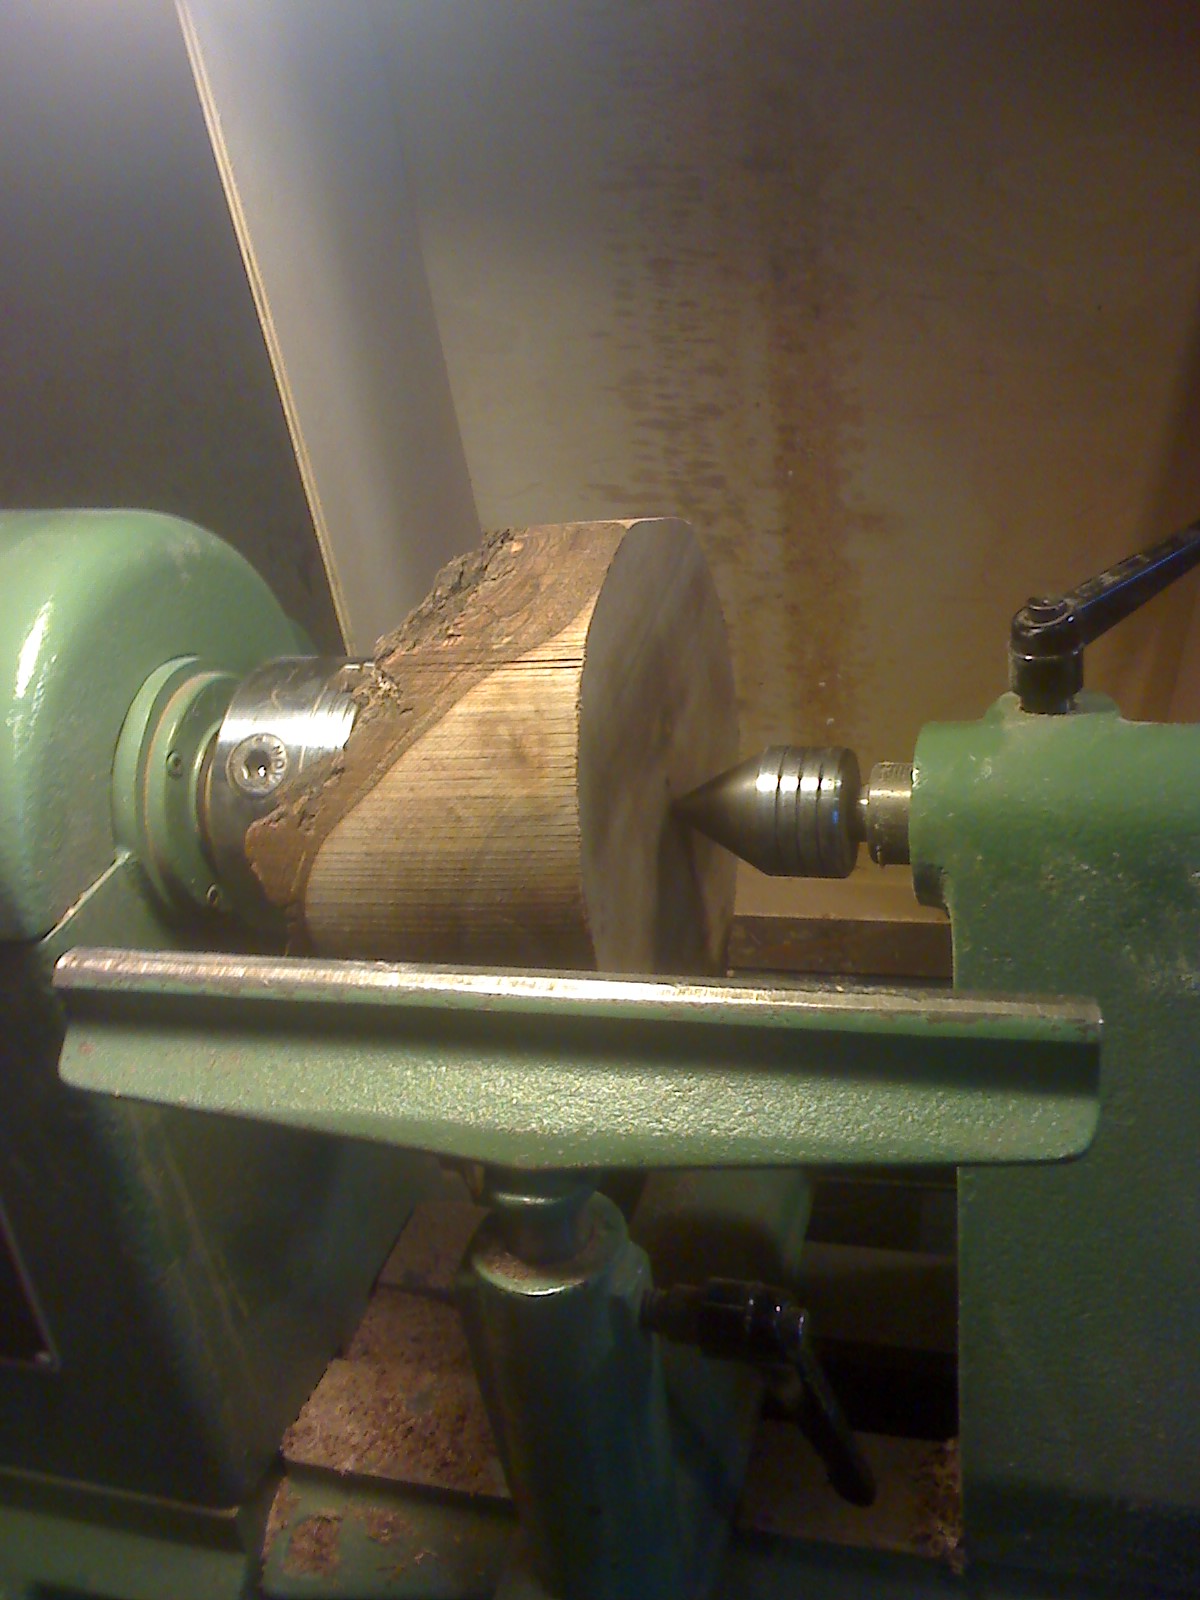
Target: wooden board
{"x": 868, "y": 925}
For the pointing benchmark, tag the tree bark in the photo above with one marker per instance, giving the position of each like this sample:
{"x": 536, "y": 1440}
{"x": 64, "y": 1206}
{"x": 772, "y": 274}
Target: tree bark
{"x": 504, "y": 797}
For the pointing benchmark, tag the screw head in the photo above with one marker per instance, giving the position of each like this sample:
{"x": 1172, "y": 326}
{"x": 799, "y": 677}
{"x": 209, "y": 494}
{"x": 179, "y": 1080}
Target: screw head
{"x": 258, "y": 765}
{"x": 214, "y": 899}
{"x": 174, "y": 764}
{"x": 1044, "y": 609}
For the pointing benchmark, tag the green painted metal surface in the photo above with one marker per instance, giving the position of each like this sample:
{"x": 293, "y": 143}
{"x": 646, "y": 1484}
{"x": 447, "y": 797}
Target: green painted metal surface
{"x": 62, "y": 1540}
{"x": 157, "y": 774}
{"x": 625, "y": 1455}
{"x": 388, "y": 1541}
{"x": 544, "y": 1070}
{"x": 193, "y": 1278}
{"x": 693, "y": 1224}
{"x": 384, "y": 1540}
{"x": 94, "y": 602}
{"x": 578, "y": 1404}
{"x": 740, "y": 1223}
{"x": 1067, "y": 850}
{"x": 765, "y": 1567}
{"x": 344, "y": 1538}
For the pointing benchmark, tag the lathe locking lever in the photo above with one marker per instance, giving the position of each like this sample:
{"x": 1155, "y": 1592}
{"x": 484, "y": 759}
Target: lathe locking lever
{"x": 1045, "y": 652}
{"x": 763, "y": 1326}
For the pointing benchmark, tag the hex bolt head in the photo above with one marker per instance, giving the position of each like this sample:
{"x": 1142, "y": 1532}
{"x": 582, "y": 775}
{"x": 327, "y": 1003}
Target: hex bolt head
{"x": 258, "y": 764}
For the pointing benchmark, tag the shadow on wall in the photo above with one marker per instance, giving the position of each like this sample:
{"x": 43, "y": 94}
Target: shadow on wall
{"x": 132, "y": 367}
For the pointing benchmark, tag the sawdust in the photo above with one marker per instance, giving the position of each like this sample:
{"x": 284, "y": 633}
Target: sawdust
{"x": 403, "y": 1404}
{"x": 432, "y": 1246}
{"x": 939, "y": 1483}
{"x": 384, "y": 1526}
{"x": 313, "y": 1548}
{"x": 283, "y": 1508}
{"x": 917, "y": 1509}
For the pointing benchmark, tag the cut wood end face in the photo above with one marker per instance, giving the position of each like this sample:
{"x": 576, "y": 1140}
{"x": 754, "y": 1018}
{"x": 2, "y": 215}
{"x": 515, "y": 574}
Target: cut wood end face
{"x": 658, "y": 715}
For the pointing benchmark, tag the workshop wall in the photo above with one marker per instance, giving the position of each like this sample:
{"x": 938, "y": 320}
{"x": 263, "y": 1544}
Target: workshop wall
{"x": 899, "y": 303}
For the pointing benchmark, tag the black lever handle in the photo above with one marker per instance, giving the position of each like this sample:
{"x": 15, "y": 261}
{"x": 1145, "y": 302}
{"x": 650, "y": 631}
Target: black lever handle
{"x": 753, "y": 1323}
{"x": 1045, "y": 651}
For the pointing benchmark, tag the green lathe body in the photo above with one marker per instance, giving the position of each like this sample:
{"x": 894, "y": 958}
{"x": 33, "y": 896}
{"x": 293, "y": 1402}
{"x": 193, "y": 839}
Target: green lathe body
{"x": 1067, "y": 851}
{"x": 206, "y": 1152}
{"x": 174, "y": 1285}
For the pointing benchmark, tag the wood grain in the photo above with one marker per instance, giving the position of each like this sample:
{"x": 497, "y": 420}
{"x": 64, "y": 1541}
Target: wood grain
{"x": 505, "y": 795}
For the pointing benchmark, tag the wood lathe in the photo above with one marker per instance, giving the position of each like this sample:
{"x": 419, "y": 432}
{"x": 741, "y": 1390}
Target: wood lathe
{"x": 461, "y": 1136}
{"x": 286, "y": 939}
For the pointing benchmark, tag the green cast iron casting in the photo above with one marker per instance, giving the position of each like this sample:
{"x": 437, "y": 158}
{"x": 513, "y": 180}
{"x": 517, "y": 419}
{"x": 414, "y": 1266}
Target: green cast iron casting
{"x": 548, "y": 1070}
{"x": 94, "y": 602}
{"x": 193, "y": 1277}
{"x": 1067, "y": 851}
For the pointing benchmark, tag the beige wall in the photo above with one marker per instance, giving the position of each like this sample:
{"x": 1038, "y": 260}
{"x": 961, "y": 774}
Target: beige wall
{"x": 897, "y": 300}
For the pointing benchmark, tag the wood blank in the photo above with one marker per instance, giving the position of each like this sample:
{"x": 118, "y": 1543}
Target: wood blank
{"x": 504, "y": 798}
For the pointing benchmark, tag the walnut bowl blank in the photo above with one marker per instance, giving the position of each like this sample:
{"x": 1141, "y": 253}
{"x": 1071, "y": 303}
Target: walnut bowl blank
{"x": 505, "y": 795}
